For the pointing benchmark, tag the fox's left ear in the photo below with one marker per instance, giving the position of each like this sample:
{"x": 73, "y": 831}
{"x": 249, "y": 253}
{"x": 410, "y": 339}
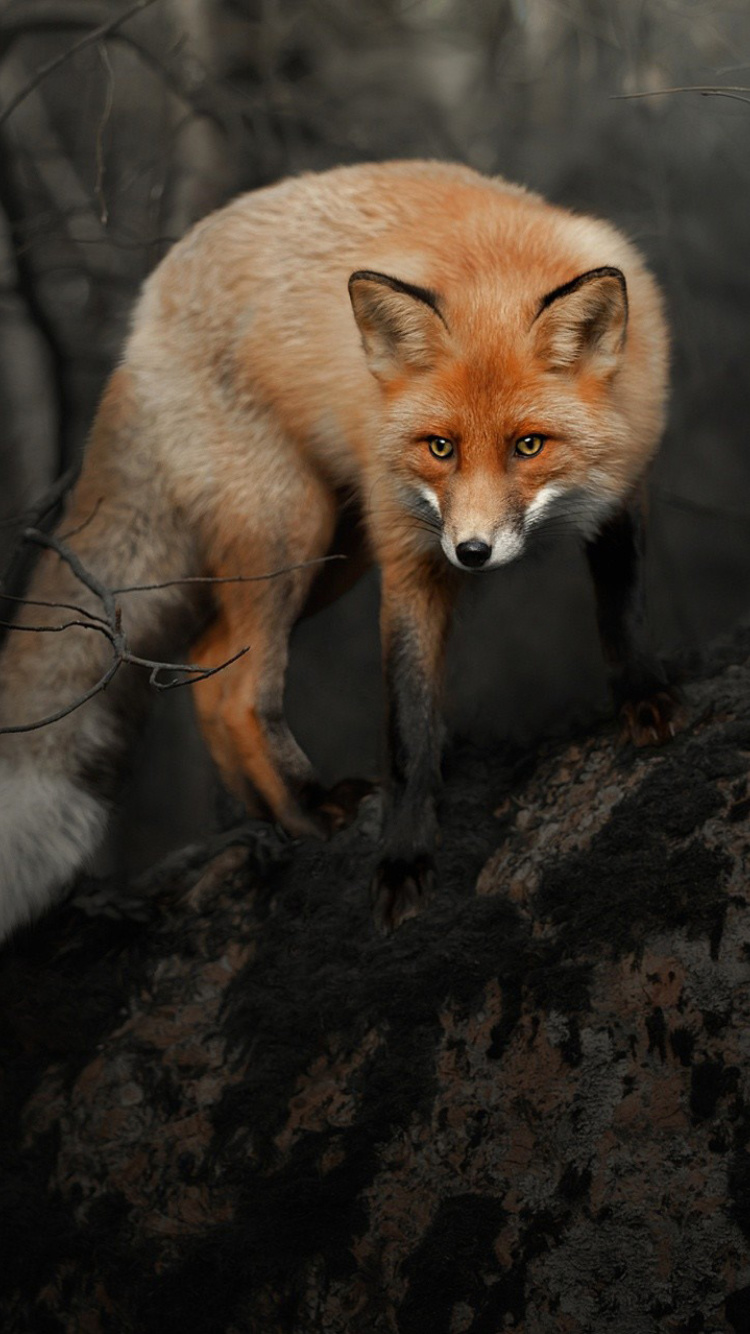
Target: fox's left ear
{"x": 584, "y": 322}
{"x": 401, "y": 325}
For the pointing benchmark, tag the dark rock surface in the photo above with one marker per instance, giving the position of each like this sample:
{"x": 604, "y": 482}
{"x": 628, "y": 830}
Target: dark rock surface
{"x": 229, "y": 1105}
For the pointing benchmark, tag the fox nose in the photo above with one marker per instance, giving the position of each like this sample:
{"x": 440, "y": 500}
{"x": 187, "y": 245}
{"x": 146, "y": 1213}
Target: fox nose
{"x": 474, "y": 553}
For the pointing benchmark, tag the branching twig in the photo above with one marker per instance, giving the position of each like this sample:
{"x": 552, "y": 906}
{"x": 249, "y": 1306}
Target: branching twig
{"x": 198, "y": 673}
{"x": 110, "y": 626}
{"x": 107, "y": 29}
{"x": 49, "y": 501}
{"x": 207, "y": 99}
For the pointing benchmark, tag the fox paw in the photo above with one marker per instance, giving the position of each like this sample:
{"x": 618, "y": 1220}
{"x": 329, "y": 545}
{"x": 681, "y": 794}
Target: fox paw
{"x": 400, "y": 889}
{"x": 340, "y": 804}
{"x": 652, "y": 720}
{"x": 336, "y": 807}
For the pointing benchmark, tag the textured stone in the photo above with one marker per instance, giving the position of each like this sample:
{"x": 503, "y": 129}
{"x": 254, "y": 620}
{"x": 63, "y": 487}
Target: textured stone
{"x": 233, "y": 1106}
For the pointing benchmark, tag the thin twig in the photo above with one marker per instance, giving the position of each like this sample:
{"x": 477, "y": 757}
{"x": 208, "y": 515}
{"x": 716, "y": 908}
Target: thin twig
{"x": 73, "y": 532}
{"x": 229, "y": 578}
{"x": 199, "y": 673}
{"x": 208, "y": 99}
{"x": 55, "y": 629}
{"x": 54, "y": 606}
{"x": 101, "y": 684}
{"x": 48, "y": 501}
{"x": 90, "y": 38}
{"x": 101, "y": 127}
{"x": 704, "y": 90}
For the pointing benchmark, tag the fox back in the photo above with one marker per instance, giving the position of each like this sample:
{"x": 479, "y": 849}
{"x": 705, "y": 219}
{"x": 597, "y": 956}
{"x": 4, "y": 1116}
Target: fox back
{"x": 250, "y": 312}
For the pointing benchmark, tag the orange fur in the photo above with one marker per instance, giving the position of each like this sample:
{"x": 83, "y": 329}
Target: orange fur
{"x": 249, "y": 400}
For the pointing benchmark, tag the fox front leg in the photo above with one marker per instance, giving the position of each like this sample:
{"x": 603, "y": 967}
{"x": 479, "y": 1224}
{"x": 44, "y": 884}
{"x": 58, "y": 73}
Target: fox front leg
{"x": 415, "y": 611}
{"x": 649, "y": 707}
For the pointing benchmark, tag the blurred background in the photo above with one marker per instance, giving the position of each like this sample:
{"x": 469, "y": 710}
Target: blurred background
{"x": 121, "y": 124}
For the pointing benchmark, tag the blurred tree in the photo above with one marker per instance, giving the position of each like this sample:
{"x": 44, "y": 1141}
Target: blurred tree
{"x": 120, "y": 124}
{"x": 111, "y": 143}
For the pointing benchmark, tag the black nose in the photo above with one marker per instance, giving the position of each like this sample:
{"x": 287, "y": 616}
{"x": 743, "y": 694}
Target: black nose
{"x": 473, "y": 553}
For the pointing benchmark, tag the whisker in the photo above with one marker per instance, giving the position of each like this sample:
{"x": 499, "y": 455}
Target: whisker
{"x": 413, "y": 515}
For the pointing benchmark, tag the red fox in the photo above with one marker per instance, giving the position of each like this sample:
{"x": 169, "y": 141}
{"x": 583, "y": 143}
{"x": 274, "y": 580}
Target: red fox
{"x": 456, "y": 356}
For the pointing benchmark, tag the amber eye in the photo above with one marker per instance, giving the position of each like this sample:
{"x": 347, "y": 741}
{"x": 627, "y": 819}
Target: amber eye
{"x": 439, "y": 446}
{"x": 529, "y": 445}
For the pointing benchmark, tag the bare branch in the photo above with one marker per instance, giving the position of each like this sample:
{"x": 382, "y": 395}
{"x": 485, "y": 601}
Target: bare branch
{"x": 207, "y": 98}
{"x": 197, "y": 673}
{"x": 51, "y": 498}
{"x": 55, "y": 629}
{"x": 54, "y": 606}
{"x": 107, "y": 29}
{"x": 704, "y": 90}
{"x": 229, "y": 578}
{"x": 110, "y": 624}
{"x": 84, "y": 576}
{"x": 100, "y": 129}
{"x": 101, "y": 684}
{"x": 73, "y": 532}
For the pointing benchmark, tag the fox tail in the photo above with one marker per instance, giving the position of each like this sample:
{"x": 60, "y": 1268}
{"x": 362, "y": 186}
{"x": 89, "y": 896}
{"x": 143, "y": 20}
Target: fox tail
{"x": 58, "y": 781}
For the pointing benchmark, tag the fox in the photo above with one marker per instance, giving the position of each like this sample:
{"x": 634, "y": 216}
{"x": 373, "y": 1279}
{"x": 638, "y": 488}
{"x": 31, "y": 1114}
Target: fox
{"x": 445, "y": 356}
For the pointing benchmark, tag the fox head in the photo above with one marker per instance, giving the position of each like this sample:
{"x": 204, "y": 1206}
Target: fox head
{"x": 501, "y": 417}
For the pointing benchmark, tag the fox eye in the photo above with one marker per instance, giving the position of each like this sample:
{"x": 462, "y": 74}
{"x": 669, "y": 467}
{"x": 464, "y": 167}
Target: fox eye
{"x": 439, "y": 446}
{"x": 529, "y": 445}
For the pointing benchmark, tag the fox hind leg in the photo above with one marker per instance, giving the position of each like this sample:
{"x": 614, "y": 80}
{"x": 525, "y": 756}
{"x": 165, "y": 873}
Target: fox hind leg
{"x": 240, "y": 708}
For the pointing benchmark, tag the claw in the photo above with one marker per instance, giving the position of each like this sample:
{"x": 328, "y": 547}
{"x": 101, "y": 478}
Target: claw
{"x": 653, "y": 720}
{"x": 337, "y": 807}
{"x": 400, "y": 890}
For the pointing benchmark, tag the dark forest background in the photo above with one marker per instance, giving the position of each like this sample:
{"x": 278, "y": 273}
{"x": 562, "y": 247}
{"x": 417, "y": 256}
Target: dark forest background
{"x": 122, "y": 124}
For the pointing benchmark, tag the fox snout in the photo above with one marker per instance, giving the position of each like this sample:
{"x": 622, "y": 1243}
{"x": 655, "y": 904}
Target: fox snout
{"x": 483, "y": 551}
{"x": 470, "y": 542}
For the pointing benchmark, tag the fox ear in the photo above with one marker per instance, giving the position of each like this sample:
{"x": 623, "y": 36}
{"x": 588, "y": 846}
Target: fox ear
{"x": 401, "y": 325}
{"x": 584, "y": 322}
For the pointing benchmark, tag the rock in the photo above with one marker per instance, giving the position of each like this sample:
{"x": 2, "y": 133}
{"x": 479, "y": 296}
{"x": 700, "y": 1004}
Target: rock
{"x": 233, "y": 1106}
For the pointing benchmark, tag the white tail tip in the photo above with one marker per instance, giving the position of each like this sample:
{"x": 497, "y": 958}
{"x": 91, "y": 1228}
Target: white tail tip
{"x": 49, "y": 830}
